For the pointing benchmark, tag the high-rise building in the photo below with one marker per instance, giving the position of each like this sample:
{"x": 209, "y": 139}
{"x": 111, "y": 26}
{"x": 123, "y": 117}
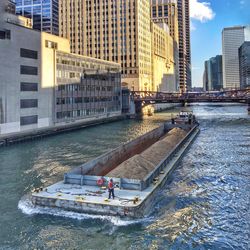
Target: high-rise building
{"x": 7, "y": 13}
{"x": 205, "y": 77}
{"x": 232, "y": 39}
{"x": 176, "y": 14}
{"x": 44, "y": 14}
{"x": 244, "y": 63}
{"x": 167, "y": 11}
{"x": 163, "y": 61}
{"x": 71, "y": 23}
{"x": 212, "y": 78}
{"x": 184, "y": 45}
{"x": 113, "y": 30}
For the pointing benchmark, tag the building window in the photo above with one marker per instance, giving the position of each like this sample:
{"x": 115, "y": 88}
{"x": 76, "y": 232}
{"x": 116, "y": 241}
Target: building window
{"x": 29, "y": 103}
{"x": 5, "y": 34}
{"x": 50, "y": 45}
{"x": 165, "y": 10}
{"x": 154, "y": 11}
{"x": 27, "y": 120}
{"x": 26, "y": 53}
{"x": 2, "y": 34}
{"x": 28, "y": 86}
{"x": 28, "y": 70}
{"x": 160, "y": 11}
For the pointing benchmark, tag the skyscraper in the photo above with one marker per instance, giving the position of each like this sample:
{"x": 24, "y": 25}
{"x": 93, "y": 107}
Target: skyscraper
{"x": 232, "y": 39}
{"x": 212, "y": 78}
{"x": 205, "y": 77}
{"x": 166, "y": 11}
{"x": 163, "y": 62}
{"x": 176, "y": 14}
{"x": 113, "y": 30}
{"x": 44, "y": 14}
{"x": 244, "y": 63}
{"x": 184, "y": 45}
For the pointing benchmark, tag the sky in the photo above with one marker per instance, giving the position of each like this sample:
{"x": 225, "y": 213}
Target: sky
{"x": 208, "y": 18}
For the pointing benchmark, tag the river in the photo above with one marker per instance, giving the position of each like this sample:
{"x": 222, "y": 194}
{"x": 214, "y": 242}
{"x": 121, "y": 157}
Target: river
{"x": 204, "y": 205}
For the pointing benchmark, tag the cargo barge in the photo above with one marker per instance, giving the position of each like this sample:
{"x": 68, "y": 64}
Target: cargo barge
{"x": 138, "y": 168}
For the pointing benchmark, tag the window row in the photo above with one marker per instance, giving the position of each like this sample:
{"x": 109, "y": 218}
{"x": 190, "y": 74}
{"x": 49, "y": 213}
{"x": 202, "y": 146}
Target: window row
{"x": 85, "y": 112}
{"x": 27, "y": 53}
{"x": 78, "y": 100}
{"x": 28, "y": 70}
{"x": 28, "y": 103}
{"x": 28, "y": 120}
{"x": 80, "y": 87}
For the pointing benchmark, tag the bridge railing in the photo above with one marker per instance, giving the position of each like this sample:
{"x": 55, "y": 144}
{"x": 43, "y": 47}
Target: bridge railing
{"x": 191, "y": 96}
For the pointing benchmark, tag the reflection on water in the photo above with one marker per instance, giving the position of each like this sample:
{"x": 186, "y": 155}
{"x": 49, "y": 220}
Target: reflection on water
{"x": 204, "y": 205}
{"x": 185, "y": 222}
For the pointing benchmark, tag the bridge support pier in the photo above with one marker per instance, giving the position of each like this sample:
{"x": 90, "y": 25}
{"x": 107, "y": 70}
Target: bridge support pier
{"x": 184, "y": 103}
{"x": 138, "y": 107}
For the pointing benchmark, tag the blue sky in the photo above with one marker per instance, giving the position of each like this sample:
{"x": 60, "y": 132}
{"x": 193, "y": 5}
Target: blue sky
{"x": 208, "y": 18}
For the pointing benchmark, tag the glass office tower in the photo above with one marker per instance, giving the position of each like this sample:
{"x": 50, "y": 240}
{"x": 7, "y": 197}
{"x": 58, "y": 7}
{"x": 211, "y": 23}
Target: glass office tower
{"x": 44, "y": 14}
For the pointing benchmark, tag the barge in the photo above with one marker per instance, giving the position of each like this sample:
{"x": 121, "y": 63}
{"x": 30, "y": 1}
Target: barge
{"x": 138, "y": 168}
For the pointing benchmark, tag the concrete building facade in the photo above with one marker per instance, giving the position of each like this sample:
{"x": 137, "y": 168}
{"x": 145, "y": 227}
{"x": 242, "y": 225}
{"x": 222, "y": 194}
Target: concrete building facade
{"x": 232, "y": 39}
{"x": 166, "y": 11}
{"x": 213, "y": 77}
{"x": 43, "y": 13}
{"x": 32, "y": 71}
{"x": 86, "y": 87}
{"x": 163, "y": 60}
{"x": 244, "y": 65}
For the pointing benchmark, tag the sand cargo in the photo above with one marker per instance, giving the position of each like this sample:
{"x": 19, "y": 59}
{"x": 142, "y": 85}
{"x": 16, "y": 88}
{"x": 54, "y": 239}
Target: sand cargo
{"x": 139, "y": 168}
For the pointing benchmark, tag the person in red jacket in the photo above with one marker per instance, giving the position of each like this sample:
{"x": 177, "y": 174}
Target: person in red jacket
{"x": 111, "y": 187}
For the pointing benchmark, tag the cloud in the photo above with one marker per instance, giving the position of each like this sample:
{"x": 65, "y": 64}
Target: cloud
{"x": 242, "y": 4}
{"x": 201, "y": 11}
{"x": 196, "y": 68}
{"x": 192, "y": 26}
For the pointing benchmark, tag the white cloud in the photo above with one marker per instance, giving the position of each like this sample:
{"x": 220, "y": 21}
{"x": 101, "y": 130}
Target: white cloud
{"x": 196, "y": 68}
{"x": 201, "y": 11}
{"x": 242, "y": 4}
{"x": 192, "y": 26}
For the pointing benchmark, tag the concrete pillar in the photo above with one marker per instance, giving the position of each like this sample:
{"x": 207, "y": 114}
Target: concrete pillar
{"x": 132, "y": 107}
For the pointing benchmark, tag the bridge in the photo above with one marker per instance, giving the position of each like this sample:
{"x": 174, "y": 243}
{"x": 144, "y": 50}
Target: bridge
{"x": 144, "y": 98}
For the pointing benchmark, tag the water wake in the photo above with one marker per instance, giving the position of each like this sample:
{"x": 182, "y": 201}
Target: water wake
{"x": 26, "y": 206}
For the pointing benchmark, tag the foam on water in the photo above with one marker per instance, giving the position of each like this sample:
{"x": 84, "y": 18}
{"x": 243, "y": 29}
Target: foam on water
{"x": 26, "y": 206}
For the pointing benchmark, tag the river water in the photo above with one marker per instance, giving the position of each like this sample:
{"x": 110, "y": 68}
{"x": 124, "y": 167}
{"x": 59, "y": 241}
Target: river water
{"x": 204, "y": 205}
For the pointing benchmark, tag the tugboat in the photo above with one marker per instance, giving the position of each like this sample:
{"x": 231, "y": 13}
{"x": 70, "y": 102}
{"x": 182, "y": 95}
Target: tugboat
{"x": 184, "y": 117}
{"x": 150, "y": 112}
